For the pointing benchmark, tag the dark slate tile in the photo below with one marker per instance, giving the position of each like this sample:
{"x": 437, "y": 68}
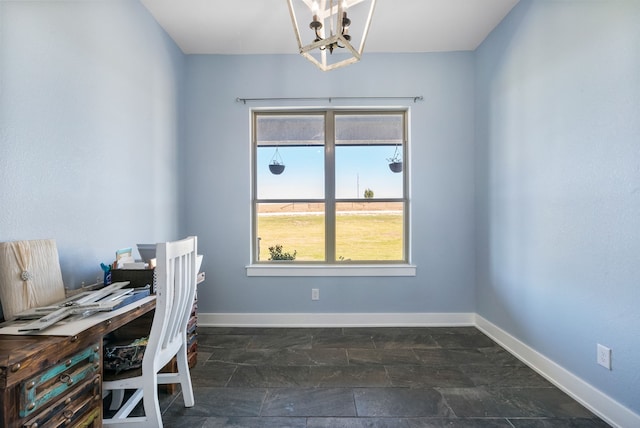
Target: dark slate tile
{"x": 387, "y": 331}
{"x": 348, "y": 376}
{"x": 203, "y": 355}
{"x": 558, "y": 423}
{"x": 325, "y": 331}
{"x": 458, "y": 423}
{"x": 308, "y": 357}
{"x": 184, "y": 421}
{"x": 462, "y": 330}
{"x": 500, "y": 357}
{"x": 357, "y": 423}
{"x": 234, "y": 341}
{"x": 283, "y": 341}
{"x": 331, "y": 333}
{"x": 382, "y": 356}
{"x": 221, "y": 402}
{"x": 441, "y": 357}
{"x": 281, "y": 331}
{"x": 211, "y": 374}
{"x": 450, "y": 377}
{"x": 343, "y": 342}
{"x": 309, "y": 402}
{"x": 421, "y": 376}
{"x": 513, "y": 402}
{"x": 270, "y": 376}
{"x": 243, "y": 422}
{"x": 546, "y": 402}
{"x": 479, "y": 402}
{"x": 399, "y": 402}
{"x": 463, "y": 341}
{"x": 242, "y": 356}
{"x": 404, "y": 341}
{"x": 246, "y": 331}
{"x": 507, "y": 376}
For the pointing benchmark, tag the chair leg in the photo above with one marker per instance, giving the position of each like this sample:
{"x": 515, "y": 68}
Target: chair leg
{"x": 129, "y": 405}
{"x": 185, "y": 377}
{"x": 152, "y": 404}
{"x": 117, "y": 395}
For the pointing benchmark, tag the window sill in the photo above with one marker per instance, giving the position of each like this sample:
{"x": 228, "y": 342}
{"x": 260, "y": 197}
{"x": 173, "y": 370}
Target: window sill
{"x": 330, "y": 270}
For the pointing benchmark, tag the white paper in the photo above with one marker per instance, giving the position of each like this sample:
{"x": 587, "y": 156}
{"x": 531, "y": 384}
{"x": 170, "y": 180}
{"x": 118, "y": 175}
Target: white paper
{"x": 72, "y": 326}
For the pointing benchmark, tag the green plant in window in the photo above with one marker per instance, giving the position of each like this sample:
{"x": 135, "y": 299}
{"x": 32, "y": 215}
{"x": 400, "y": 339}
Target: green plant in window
{"x": 276, "y": 253}
{"x": 368, "y": 194}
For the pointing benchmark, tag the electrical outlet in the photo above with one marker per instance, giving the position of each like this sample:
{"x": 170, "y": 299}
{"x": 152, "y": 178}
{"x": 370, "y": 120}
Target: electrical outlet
{"x": 315, "y": 294}
{"x": 604, "y": 356}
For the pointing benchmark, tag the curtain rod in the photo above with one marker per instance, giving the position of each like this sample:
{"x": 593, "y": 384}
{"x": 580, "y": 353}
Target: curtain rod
{"x": 245, "y": 100}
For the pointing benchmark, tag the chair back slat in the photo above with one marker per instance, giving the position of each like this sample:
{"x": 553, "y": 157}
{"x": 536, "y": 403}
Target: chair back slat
{"x": 175, "y": 292}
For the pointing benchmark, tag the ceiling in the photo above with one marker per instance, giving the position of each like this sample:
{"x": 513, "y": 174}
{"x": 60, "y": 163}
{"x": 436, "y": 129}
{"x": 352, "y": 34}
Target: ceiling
{"x": 264, "y": 26}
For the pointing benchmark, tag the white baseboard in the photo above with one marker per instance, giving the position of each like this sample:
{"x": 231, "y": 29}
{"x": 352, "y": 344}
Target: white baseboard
{"x": 593, "y": 399}
{"x": 335, "y": 319}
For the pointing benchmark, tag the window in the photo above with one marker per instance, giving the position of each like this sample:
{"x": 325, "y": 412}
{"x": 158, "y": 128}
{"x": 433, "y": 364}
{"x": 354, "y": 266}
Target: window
{"x": 323, "y": 187}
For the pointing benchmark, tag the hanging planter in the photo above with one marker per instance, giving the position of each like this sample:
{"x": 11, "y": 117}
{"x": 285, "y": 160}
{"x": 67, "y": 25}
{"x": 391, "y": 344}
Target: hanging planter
{"x": 395, "y": 162}
{"x": 276, "y": 166}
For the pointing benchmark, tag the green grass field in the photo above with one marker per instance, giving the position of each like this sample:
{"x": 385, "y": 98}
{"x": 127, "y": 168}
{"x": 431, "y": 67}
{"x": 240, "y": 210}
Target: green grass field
{"x": 359, "y": 236}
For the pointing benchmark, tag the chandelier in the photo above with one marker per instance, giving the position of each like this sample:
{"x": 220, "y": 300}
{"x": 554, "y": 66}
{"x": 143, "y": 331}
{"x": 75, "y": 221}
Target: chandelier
{"x": 331, "y": 30}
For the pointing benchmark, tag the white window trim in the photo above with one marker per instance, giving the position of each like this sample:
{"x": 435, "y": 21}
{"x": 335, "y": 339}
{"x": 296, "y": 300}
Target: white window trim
{"x": 287, "y": 269}
{"x": 290, "y": 269}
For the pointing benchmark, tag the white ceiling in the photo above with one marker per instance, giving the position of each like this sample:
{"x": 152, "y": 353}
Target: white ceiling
{"x": 264, "y": 26}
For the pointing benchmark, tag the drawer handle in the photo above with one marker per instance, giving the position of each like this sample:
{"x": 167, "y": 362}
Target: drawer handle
{"x": 65, "y": 378}
{"x": 34, "y": 425}
{"x": 68, "y": 363}
{"x": 68, "y": 414}
{"x": 16, "y": 367}
{"x": 31, "y": 406}
{"x": 31, "y": 385}
{"x": 74, "y": 339}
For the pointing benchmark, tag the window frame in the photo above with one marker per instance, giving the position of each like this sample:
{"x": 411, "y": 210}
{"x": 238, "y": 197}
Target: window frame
{"x": 330, "y": 266}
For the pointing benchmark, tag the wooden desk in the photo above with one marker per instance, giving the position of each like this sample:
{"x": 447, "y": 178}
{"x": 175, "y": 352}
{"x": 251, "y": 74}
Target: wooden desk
{"x": 55, "y": 381}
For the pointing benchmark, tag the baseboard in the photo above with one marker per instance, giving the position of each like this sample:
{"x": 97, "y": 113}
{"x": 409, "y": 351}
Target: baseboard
{"x": 335, "y": 319}
{"x": 593, "y": 399}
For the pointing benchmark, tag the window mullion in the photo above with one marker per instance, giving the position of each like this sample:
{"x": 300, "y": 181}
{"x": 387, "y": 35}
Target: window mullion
{"x": 330, "y": 187}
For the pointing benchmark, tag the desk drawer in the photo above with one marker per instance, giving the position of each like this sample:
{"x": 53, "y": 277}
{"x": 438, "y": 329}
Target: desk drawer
{"x": 79, "y": 408}
{"x": 57, "y": 380}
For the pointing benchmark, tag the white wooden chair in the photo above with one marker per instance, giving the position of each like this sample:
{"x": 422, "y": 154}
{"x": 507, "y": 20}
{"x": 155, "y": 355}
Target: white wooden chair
{"x": 175, "y": 290}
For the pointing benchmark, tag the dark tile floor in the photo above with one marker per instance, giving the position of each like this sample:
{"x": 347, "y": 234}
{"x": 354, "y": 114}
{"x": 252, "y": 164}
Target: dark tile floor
{"x": 366, "y": 377}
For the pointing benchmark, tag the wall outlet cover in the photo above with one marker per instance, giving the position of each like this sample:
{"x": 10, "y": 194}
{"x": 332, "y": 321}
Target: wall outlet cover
{"x": 604, "y": 356}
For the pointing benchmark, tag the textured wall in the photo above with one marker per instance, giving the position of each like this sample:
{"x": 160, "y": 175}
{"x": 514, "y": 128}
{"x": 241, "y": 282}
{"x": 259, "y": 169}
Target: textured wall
{"x": 441, "y": 147}
{"x": 89, "y": 129}
{"x": 558, "y": 184}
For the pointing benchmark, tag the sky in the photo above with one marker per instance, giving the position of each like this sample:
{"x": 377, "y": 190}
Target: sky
{"x": 357, "y": 168}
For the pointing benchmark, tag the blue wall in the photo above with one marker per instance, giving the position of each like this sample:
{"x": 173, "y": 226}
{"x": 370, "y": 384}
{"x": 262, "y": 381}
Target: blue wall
{"x": 558, "y": 185}
{"x": 89, "y": 129}
{"x": 441, "y": 145}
